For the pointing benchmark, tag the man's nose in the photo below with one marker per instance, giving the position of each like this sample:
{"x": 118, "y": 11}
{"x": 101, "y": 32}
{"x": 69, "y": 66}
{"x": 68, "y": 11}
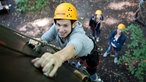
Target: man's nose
{"x": 61, "y": 28}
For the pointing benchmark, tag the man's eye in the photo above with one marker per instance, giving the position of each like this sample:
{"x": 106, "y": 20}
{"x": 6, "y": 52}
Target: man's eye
{"x": 65, "y": 25}
{"x": 58, "y": 24}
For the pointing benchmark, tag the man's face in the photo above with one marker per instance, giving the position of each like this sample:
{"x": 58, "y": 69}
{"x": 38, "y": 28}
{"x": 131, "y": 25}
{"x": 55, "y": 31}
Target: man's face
{"x": 63, "y": 27}
{"x": 98, "y": 17}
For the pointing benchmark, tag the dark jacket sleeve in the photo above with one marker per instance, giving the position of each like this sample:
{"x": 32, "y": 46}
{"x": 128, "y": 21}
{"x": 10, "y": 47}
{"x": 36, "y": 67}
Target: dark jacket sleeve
{"x": 111, "y": 37}
{"x": 91, "y": 22}
{"x": 101, "y": 18}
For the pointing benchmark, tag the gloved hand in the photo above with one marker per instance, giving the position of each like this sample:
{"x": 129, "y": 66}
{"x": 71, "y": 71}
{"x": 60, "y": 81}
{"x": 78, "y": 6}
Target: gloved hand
{"x": 49, "y": 62}
{"x": 37, "y": 48}
{"x": 37, "y": 45}
{"x": 40, "y": 45}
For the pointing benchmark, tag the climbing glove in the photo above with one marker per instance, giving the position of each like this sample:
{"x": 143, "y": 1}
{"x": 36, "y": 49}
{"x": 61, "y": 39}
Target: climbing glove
{"x": 37, "y": 45}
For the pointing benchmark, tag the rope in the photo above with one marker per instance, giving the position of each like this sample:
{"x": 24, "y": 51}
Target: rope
{"x": 49, "y": 45}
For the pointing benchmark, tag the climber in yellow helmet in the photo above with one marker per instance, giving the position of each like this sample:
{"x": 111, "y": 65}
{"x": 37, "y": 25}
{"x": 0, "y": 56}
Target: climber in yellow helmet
{"x": 116, "y": 41}
{"x": 4, "y": 8}
{"x": 95, "y": 24}
{"x": 71, "y": 37}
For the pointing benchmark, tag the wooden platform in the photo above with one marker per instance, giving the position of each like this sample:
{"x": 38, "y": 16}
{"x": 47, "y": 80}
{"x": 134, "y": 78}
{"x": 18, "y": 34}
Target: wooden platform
{"x": 15, "y": 62}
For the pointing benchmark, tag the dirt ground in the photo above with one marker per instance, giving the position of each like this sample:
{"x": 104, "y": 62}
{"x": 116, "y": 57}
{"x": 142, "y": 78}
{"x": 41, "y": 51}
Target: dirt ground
{"x": 114, "y": 12}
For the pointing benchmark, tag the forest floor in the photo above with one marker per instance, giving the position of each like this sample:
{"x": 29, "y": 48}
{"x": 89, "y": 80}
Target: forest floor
{"x": 34, "y": 24}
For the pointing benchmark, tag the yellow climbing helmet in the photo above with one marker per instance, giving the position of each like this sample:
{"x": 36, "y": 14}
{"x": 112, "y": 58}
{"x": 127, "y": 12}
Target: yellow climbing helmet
{"x": 65, "y": 11}
{"x": 121, "y": 26}
{"x": 99, "y": 12}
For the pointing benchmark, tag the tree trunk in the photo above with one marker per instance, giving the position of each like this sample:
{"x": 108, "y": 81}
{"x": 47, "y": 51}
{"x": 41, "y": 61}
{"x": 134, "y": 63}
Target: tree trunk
{"x": 140, "y": 15}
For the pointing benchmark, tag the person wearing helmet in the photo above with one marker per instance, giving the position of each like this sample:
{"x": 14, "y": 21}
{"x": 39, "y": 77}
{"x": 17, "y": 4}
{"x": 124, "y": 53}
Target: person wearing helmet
{"x": 4, "y": 9}
{"x": 95, "y": 24}
{"x": 72, "y": 39}
{"x": 116, "y": 41}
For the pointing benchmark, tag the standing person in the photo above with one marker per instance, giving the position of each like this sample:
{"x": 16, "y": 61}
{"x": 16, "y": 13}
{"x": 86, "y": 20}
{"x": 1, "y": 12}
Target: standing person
{"x": 95, "y": 24}
{"x": 71, "y": 37}
{"x": 116, "y": 41}
{"x": 4, "y": 9}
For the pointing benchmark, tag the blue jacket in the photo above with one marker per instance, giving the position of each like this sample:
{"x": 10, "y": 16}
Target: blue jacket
{"x": 119, "y": 43}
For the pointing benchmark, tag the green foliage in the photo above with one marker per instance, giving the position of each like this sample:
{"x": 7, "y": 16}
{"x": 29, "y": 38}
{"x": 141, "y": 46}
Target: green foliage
{"x": 135, "y": 55}
{"x": 30, "y": 5}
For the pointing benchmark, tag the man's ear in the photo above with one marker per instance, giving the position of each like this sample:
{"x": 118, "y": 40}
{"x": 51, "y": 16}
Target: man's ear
{"x": 74, "y": 24}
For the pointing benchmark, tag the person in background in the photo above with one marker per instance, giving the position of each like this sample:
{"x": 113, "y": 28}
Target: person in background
{"x": 69, "y": 34}
{"x": 4, "y": 9}
{"x": 95, "y": 24}
{"x": 116, "y": 41}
